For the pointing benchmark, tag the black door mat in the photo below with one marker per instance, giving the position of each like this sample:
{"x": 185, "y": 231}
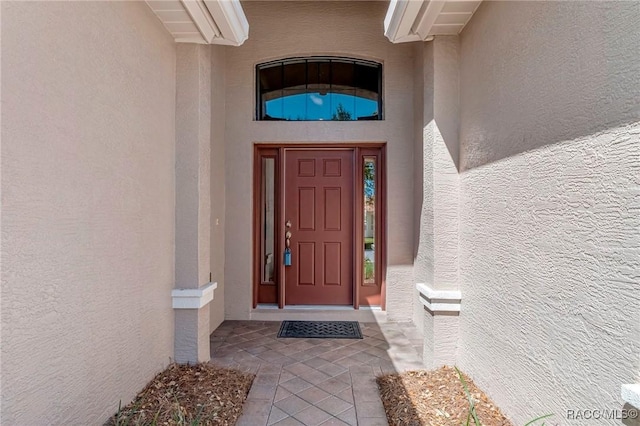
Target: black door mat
{"x": 321, "y": 329}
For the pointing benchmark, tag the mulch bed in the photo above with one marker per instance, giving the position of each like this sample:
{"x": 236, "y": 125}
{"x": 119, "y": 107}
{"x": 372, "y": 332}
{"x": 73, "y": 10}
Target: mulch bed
{"x": 200, "y": 394}
{"x": 434, "y": 398}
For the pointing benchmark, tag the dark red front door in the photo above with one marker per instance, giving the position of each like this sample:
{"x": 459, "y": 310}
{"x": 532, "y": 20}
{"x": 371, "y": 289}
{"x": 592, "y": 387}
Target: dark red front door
{"x": 319, "y": 205}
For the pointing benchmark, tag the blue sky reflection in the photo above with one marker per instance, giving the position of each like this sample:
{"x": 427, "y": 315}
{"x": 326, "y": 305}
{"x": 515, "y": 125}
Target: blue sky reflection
{"x": 316, "y": 106}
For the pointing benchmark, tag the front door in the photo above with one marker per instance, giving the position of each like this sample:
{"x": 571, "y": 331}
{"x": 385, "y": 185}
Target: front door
{"x": 319, "y": 205}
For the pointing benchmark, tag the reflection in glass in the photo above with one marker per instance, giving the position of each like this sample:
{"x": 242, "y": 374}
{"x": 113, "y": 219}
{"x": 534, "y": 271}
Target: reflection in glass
{"x": 369, "y": 220}
{"x": 319, "y": 89}
{"x": 268, "y": 220}
{"x": 320, "y": 106}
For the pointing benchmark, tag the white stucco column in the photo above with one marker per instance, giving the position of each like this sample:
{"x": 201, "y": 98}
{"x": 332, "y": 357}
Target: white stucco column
{"x": 193, "y": 291}
{"x": 436, "y": 259}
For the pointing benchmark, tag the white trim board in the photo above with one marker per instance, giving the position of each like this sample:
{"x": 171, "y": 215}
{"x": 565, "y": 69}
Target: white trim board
{"x": 437, "y": 301}
{"x": 193, "y": 298}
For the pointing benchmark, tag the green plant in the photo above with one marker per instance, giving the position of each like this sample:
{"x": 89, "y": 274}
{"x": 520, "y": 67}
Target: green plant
{"x": 538, "y": 418}
{"x": 135, "y": 417}
{"x": 123, "y": 418}
{"x": 197, "y": 420}
{"x": 472, "y": 407}
{"x": 341, "y": 114}
{"x": 119, "y": 420}
{"x": 368, "y": 269}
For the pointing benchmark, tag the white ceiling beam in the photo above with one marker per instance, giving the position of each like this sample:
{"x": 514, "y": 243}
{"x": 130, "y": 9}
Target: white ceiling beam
{"x": 400, "y": 18}
{"x": 231, "y": 21}
{"x": 425, "y": 24}
{"x": 202, "y": 18}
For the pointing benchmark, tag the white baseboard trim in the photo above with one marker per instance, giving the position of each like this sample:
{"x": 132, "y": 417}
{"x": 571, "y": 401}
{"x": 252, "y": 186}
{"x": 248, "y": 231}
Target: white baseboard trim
{"x": 193, "y": 298}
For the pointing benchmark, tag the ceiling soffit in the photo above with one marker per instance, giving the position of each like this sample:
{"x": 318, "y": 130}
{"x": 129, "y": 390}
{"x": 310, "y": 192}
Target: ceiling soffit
{"x": 421, "y": 20}
{"x": 224, "y": 21}
{"x": 203, "y": 21}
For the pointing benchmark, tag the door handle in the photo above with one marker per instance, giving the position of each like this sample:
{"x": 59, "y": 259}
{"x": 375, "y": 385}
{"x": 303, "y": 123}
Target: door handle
{"x": 287, "y": 235}
{"x": 287, "y": 244}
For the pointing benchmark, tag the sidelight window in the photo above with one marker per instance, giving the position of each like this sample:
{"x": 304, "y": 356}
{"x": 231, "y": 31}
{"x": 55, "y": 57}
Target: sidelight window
{"x": 267, "y": 207}
{"x": 371, "y": 234}
{"x": 319, "y": 89}
{"x": 369, "y": 220}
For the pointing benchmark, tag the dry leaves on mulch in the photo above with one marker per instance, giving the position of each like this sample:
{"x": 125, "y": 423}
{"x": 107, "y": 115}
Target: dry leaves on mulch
{"x": 200, "y": 394}
{"x": 434, "y": 398}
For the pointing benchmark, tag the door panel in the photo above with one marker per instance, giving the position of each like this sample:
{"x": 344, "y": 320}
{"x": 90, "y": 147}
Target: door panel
{"x": 332, "y": 263}
{"x": 306, "y": 263}
{"x": 319, "y": 203}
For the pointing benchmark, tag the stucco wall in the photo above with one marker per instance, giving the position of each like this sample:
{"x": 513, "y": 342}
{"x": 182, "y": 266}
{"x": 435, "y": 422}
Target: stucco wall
{"x": 549, "y": 223}
{"x": 217, "y": 183}
{"x": 88, "y": 113}
{"x": 436, "y": 156}
{"x": 423, "y": 171}
{"x": 285, "y": 29}
{"x": 193, "y": 165}
{"x": 437, "y": 182}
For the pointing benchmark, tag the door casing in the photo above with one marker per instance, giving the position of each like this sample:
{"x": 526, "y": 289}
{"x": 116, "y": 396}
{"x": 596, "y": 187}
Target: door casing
{"x": 275, "y": 292}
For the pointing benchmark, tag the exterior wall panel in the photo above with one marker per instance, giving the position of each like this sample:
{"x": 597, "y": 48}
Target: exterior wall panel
{"x": 218, "y": 119}
{"x": 550, "y": 247}
{"x": 88, "y": 113}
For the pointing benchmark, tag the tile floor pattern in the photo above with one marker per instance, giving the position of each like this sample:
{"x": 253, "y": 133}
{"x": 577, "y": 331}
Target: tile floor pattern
{"x": 315, "y": 381}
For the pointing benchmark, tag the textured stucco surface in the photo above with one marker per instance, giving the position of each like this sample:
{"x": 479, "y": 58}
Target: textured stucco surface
{"x": 286, "y": 29}
{"x": 88, "y": 113}
{"x": 193, "y": 165}
{"x": 193, "y": 195}
{"x": 549, "y": 219}
{"x": 436, "y": 175}
{"x": 423, "y": 165}
{"x": 436, "y": 180}
{"x": 216, "y": 307}
{"x": 444, "y": 148}
{"x": 192, "y": 332}
{"x": 423, "y": 174}
{"x": 440, "y": 332}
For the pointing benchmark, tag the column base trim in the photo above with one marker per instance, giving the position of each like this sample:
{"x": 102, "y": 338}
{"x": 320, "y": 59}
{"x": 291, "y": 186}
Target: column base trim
{"x": 436, "y": 301}
{"x": 193, "y": 298}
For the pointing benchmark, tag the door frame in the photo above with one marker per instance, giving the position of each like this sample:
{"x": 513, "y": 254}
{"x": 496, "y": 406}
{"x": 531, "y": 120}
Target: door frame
{"x": 276, "y": 150}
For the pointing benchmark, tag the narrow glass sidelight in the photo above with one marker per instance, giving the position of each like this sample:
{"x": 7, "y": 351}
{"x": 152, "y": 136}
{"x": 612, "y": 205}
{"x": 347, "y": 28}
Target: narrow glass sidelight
{"x": 369, "y": 177}
{"x": 268, "y": 221}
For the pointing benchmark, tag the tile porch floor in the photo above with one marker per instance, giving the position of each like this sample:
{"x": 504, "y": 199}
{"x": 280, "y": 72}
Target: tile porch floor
{"x": 315, "y": 381}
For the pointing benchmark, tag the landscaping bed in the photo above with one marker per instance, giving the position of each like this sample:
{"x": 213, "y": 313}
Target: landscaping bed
{"x": 200, "y": 394}
{"x": 435, "y": 398}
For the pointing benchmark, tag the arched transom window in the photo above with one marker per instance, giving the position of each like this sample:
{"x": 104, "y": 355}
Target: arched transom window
{"x": 319, "y": 88}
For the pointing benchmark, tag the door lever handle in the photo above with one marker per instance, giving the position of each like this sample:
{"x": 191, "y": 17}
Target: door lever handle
{"x": 287, "y": 244}
{"x": 287, "y": 235}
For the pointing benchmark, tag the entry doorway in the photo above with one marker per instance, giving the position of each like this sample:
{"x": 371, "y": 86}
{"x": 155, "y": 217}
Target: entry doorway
{"x": 319, "y": 204}
{"x": 319, "y": 225}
